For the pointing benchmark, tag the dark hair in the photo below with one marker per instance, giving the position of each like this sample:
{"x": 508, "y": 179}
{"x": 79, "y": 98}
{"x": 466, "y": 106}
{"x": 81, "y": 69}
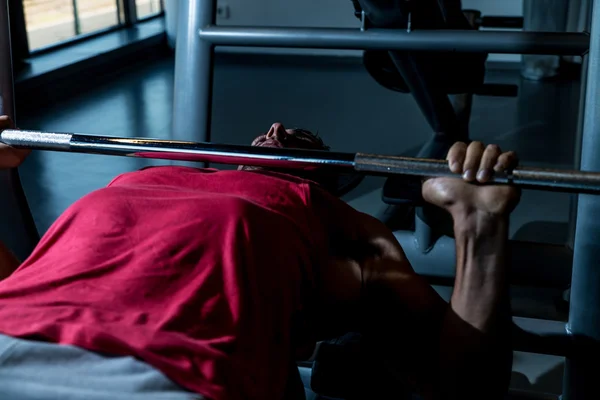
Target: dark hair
{"x": 298, "y": 132}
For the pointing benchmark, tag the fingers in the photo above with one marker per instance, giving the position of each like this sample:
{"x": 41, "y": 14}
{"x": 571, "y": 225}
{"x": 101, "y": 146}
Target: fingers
{"x": 488, "y": 162}
{"x": 5, "y": 122}
{"x": 506, "y": 162}
{"x": 10, "y": 157}
{"x": 477, "y": 162}
{"x": 472, "y": 161}
{"x": 456, "y": 157}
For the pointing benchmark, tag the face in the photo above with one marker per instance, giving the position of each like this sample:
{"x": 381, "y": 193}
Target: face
{"x": 279, "y": 137}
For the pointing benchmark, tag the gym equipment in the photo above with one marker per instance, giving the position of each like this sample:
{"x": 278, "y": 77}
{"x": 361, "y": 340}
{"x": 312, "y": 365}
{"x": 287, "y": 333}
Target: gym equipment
{"x": 373, "y": 164}
{"x": 198, "y": 35}
{"x": 567, "y": 43}
{"x": 444, "y": 72}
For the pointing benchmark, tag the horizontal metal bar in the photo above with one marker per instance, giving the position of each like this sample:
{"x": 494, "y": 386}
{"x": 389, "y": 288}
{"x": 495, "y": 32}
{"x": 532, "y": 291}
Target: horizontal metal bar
{"x": 559, "y": 43}
{"x": 177, "y": 150}
{"x": 556, "y": 180}
{"x": 527, "y": 178}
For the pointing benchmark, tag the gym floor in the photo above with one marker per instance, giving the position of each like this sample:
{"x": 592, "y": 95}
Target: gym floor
{"x": 337, "y": 98}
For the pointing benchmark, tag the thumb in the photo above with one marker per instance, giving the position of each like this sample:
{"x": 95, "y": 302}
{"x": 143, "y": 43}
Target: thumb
{"x": 9, "y": 156}
{"x": 6, "y": 122}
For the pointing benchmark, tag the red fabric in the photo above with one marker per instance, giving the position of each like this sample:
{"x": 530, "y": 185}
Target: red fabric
{"x": 203, "y": 274}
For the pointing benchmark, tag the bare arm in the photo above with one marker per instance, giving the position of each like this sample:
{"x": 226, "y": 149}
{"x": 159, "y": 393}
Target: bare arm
{"x": 475, "y": 347}
{"x": 474, "y": 353}
{"x": 461, "y": 349}
{"x": 457, "y": 350}
{"x": 478, "y": 326}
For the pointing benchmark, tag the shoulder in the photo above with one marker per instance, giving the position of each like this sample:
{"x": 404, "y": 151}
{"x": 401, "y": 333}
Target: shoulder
{"x": 158, "y": 174}
{"x": 319, "y": 197}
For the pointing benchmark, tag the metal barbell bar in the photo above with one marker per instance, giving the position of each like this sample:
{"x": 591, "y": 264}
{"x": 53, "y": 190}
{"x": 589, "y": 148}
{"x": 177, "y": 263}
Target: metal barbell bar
{"x": 368, "y": 164}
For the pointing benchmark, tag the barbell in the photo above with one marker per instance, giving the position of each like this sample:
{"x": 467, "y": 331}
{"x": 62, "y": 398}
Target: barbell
{"x": 368, "y": 164}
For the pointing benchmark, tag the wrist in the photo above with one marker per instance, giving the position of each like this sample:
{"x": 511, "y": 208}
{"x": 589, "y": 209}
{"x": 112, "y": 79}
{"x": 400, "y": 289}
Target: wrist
{"x": 478, "y": 223}
{"x": 481, "y": 243}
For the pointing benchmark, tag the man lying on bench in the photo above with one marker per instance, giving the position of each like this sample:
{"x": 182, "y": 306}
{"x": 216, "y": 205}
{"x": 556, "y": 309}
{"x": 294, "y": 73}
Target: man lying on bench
{"x": 183, "y": 283}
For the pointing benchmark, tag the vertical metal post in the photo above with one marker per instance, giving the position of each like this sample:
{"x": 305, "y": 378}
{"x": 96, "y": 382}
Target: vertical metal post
{"x": 76, "y": 18}
{"x": 582, "y": 369}
{"x": 120, "y": 15}
{"x": 193, "y": 72}
{"x": 129, "y": 12}
{"x": 423, "y": 233}
{"x": 578, "y": 148}
{"x": 17, "y": 229}
{"x": 6, "y": 74}
{"x": 578, "y": 21}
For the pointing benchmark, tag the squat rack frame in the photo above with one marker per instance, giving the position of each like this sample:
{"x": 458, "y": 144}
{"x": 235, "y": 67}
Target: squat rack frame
{"x": 198, "y": 34}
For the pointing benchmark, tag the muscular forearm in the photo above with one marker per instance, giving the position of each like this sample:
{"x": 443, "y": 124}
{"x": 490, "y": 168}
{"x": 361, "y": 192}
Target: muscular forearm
{"x": 475, "y": 353}
{"x": 8, "y": 262}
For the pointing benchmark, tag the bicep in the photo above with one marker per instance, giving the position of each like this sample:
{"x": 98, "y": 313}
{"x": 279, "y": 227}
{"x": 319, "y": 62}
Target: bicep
{"x": 403, "y": 287}
{"x": 398, "y": 311}
{"x": 390, "y": 270}
{"x": 368, "y": 279}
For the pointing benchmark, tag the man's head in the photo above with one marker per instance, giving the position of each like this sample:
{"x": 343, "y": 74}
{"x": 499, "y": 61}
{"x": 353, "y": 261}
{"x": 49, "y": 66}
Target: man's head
{"x": 296, "y": 138}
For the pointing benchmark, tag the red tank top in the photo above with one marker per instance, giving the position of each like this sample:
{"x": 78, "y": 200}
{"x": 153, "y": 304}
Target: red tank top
{"x": 203, "y": 274}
